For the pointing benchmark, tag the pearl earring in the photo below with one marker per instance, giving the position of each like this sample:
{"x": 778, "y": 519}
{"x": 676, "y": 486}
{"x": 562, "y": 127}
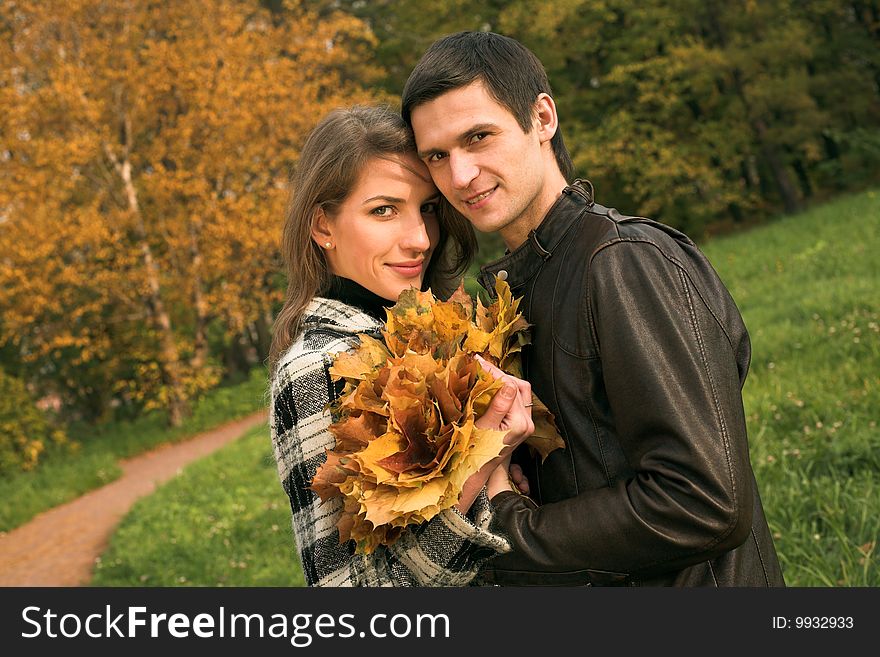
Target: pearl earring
{"x": 327, "y": 245}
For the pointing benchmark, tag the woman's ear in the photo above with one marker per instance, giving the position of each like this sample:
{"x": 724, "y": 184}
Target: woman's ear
{"x": 322, "y": 231}
{"x": 546, "y": 120}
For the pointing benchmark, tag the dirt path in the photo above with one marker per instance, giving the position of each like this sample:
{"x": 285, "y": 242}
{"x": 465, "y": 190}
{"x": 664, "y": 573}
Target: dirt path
{"x": 59, "y": 546}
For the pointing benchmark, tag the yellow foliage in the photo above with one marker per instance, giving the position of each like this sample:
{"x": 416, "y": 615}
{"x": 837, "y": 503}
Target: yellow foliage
{"x": 24, "y": 430}
{"x": 406, "y": 440}
{"x": 145, "y": 152}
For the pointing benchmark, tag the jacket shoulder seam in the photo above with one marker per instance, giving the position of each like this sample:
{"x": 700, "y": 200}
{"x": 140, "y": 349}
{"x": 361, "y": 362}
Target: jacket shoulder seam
{"x": 675, "y": 261}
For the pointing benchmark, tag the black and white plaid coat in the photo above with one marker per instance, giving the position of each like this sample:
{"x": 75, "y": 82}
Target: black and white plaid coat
{"x": 448, "y": 550}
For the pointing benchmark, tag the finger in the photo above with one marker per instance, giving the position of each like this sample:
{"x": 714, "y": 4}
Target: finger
{"x": 524, "y": 391}
{"x": 523, "y": 386}
{"x": 516, "y": 472}
{"x": 523, "y": 405}
{"x": 499, "y": 407}
{"x": 494, "y": 370}
{"x": 519, "y": 479}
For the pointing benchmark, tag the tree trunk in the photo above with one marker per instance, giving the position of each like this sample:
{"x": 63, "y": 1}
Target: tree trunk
{"x": 264, "y": 334}
{"x": 169, "y": 357}
{"x": 784, "y": 184}
{"x": 200, "y": 306}
{"x": 769, "y": 152}
{"x": 236, "y": 358}
{"x": 803, "y": 178}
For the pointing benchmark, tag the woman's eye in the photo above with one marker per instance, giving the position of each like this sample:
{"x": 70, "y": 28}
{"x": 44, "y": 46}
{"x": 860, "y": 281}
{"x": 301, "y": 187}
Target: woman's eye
{"x": 383, "y": 211}
{"x": 430, "y": 207}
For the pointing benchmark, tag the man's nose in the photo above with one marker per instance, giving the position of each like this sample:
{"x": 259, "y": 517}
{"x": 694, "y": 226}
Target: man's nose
{"x": 463, "y": 170}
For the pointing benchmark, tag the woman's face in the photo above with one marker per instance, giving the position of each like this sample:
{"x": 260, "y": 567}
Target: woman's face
{"x": 383, "y": 234}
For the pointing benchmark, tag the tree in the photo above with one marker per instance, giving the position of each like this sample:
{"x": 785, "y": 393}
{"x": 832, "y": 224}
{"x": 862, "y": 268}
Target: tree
{"x": 697, "y": 113}
{"x": 24, "y": 431}
{"x": 144, "y": 153}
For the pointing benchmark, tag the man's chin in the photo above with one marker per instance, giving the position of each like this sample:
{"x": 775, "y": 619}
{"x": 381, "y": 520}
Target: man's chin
{"x": 486, "y": 224}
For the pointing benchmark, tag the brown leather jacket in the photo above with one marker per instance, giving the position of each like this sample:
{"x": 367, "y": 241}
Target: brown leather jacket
{"x": 640, "y": 353}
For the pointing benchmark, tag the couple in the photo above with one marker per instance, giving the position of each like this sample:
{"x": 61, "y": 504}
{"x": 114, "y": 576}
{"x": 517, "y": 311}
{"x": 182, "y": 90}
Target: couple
{"x": 637, "y": 347}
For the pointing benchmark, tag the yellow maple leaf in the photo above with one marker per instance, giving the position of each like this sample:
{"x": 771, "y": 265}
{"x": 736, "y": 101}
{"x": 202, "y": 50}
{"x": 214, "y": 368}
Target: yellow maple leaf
{"x": 386, "y": 445}
{"x": 357, "y": 365}
{"x": 406, "y": 439}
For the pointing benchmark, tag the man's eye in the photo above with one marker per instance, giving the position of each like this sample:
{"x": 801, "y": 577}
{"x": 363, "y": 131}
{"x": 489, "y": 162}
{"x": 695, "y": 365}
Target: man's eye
{"x": 480, "y": 136}
{"x": 383, "y": 211}
{"x": 436, "y": 157}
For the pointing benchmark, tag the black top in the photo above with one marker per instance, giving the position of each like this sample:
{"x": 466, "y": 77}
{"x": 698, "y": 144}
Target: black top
{"x": 355, "y": 294}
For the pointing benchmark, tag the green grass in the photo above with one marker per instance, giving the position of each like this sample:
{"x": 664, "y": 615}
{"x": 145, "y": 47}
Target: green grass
{"x": 809, "y": 289}
{"x": 223, "y": 522}
{"x": 808, "y": 286}
{"x": 66, "y": 474}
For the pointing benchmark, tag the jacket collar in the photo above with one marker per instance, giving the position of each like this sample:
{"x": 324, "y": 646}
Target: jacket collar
{"x": 519, "y": 266}
{"x": 324, "y": 313}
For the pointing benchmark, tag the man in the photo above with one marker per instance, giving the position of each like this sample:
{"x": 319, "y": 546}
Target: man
{"x": 637, "y": 347}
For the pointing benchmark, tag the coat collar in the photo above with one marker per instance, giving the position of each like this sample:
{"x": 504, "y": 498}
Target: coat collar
{"x": 519, "y": 266}
{"x": 323, "y": 313}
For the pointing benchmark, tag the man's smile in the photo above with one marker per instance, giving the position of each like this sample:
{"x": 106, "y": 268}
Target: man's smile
{"x": 476, "y": 200}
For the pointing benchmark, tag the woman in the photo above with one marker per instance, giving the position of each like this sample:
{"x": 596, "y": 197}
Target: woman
{"x": 364, "y": 223}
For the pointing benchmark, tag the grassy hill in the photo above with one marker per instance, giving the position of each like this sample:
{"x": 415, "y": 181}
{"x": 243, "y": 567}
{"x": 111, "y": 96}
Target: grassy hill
{"x": 809, "y": 289}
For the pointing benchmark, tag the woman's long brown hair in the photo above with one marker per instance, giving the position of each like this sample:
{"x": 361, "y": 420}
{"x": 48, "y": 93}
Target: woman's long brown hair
{"x": 333, "y": 157}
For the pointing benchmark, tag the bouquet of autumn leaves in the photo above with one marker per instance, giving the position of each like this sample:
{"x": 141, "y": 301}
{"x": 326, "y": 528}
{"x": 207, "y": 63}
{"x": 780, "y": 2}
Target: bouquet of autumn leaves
{"x": 406, "y": 439}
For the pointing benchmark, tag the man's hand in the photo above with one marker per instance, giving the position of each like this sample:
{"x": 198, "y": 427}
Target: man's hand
{"x": 519, "y": 479}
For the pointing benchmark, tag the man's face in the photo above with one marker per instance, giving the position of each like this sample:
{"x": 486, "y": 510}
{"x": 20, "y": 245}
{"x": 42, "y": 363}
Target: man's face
{"x": 482, "y": 161}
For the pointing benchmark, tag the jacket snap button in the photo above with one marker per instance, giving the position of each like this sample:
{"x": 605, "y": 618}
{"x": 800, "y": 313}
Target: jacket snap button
{"x": 502, "y": 275}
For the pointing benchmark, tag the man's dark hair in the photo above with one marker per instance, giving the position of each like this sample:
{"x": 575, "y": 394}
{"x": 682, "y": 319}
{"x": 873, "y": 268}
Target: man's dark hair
{"x": 513, "y": 76}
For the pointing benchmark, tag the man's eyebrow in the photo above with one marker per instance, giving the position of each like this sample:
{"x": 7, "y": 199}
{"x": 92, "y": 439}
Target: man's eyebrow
{"x": 470, "y": 132}
{"x": 480, "y": 127}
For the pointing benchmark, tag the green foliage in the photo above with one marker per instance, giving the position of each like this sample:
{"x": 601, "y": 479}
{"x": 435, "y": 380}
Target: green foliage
{"x": 693, "y": 112}
{"x": 64, "y": 475}
{"x": 405, "y": 28}
{"x": 25, "y": 432}
{"x": 222, "y": 522}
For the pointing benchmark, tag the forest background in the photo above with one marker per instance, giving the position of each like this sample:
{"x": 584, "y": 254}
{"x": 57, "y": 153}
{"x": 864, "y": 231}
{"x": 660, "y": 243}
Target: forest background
{"x": 145, "y": 150}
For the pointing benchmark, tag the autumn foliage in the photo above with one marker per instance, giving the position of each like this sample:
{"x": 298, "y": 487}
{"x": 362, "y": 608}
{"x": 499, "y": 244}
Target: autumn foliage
{"x": 406, "y": 438}
{"x": 145, "y": 149}
{"x": 25, "y": 432}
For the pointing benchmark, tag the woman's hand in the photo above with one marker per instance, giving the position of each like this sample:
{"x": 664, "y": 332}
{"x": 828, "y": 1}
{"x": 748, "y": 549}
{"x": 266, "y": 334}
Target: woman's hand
{"x": 510, "y": 410}
{"x": 515, "y": 417}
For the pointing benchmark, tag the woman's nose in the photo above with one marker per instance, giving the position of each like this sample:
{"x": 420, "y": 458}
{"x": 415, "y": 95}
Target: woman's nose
{"x": 416, "y": 234}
